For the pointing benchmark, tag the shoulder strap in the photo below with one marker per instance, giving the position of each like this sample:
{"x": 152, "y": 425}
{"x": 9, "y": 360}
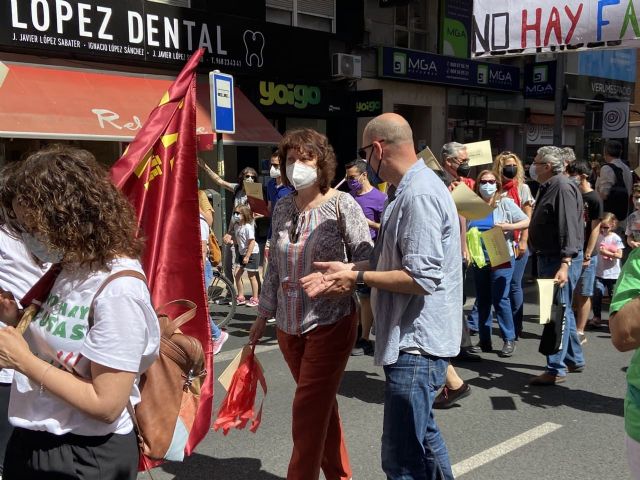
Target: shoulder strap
{"x": 341, "y": 226}
{"x": 618, "y": 173}
{"x": 107, "y": 281}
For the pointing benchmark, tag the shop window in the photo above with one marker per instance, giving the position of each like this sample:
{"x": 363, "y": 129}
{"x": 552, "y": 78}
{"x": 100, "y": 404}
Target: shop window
{"x": 312, "y": 14}
{"x": 411, "y": 25}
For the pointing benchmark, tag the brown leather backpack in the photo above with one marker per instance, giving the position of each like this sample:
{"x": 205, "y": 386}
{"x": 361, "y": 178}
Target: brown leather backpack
{"x": 169, "y": 388}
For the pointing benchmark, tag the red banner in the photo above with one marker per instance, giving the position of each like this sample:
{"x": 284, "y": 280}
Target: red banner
{"x": 158, "y": 173}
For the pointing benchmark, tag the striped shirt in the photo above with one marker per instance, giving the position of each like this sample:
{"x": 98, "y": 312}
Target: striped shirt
{"x": 319, "y": 239}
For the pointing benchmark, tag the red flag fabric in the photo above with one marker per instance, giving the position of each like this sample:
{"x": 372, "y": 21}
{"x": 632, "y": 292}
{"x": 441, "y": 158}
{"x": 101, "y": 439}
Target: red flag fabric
{"x": 158, "y": 173}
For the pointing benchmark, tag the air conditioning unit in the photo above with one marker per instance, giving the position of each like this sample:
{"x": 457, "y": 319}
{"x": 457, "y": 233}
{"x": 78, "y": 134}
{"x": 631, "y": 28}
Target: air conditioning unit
{"x": 346, "y": 66}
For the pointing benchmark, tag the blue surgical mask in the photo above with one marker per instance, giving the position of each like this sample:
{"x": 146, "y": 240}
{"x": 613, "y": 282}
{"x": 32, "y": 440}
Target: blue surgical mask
{"x": 487, "y": 189}
{"x": 40, "y": 250}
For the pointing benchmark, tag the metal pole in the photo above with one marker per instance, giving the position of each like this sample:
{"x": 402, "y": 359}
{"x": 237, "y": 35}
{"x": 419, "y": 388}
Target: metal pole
{"x": 561, "y": 64}
{"x": 220, "y": 171}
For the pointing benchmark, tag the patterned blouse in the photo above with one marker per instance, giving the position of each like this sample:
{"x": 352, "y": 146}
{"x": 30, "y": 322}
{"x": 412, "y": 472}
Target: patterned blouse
{"x": 298, "y": 240}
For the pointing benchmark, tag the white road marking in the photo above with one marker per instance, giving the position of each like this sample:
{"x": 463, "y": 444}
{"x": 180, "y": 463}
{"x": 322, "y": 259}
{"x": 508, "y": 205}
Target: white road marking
{"x": 508, "y": 446}
{"x": 230, "y": 355}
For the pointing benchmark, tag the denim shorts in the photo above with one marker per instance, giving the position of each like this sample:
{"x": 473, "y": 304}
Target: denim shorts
{"x": 587, "y": 282}
{"x": 253, "y": 263}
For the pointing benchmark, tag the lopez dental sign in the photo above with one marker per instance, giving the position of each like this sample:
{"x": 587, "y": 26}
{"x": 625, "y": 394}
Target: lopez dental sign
{"x": 530, "y": 26}
{"x": 130, "y": 29}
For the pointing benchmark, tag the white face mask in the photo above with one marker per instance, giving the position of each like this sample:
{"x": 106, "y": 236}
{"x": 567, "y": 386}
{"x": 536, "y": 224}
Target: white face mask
{"x": 636, "y": 203}
{"x": 532, "y": 172}
{"x": 40, "y": 250}
{"x": 301, "y": 176}
{"x": 274, "y": 172}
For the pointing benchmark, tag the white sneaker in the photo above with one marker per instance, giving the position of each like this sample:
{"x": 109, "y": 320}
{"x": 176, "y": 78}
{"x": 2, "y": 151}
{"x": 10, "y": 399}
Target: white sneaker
{"x": 218, "y": 342}
{"x": 269, "y": 321}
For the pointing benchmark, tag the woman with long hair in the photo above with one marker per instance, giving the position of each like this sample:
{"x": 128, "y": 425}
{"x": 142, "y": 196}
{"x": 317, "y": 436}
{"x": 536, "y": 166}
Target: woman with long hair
{"x": 508, "y": 167}
{"x": 493, "y": 281}
{"x": 73, "y": 382}
{"x": 316, "y": 223}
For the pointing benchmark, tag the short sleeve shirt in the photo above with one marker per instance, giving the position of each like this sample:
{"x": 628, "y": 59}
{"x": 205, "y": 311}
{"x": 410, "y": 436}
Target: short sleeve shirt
{"x": 372, "y": 204}
{"x": 633, "y": 226}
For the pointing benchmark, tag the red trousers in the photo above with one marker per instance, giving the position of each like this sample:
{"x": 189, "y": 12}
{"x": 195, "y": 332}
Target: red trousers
{"x": 317, "y": 361}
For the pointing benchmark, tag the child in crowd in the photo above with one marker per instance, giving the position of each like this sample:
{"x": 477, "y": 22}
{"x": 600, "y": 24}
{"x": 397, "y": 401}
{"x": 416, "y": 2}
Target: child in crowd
{"x": 633, "y": 221}
{"x": 610, "y": 248}
{"x": 249, "y": 258}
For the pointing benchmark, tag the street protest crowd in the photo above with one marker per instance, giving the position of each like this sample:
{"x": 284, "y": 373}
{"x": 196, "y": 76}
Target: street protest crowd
{"x": 364, "y": 272}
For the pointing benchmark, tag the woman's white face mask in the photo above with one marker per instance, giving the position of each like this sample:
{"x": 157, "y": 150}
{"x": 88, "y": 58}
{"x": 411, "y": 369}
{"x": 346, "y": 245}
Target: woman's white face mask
{"x": 301, "y": 176}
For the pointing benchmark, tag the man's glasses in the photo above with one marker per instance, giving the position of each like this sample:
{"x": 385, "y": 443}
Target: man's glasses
{"x": 485, "y": 182}
{"x": 362, "y": 152}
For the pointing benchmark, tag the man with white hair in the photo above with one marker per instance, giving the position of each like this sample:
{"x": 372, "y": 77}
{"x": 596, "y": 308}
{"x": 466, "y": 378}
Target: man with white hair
{"x": 455, "y": 161}
{"x": 416, "y": 297}
{"x": 556, "y": 235}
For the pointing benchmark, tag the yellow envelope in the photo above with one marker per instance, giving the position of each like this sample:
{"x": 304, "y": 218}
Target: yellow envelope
{"x": 479, "y": 153}
{"x": 429, "y": 159}
{"x": 470, "y": 205}
{"x": 226, "y": 376}
{"x": 545, "y": 291}
{"x": 253, "y": 189}
{"x": 497, "y": 247}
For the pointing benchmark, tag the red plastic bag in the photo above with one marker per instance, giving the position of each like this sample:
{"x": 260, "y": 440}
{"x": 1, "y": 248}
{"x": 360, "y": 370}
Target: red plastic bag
{"x": 238, "y": 406}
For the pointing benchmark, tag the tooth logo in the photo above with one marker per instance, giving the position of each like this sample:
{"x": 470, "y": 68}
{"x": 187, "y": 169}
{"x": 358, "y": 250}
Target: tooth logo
{"x": 254, "y": 44}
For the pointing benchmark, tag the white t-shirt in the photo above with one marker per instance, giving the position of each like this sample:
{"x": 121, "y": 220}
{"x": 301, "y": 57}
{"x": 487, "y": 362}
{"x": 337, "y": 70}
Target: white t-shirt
{"x": 18, "y": 273}
{"x": 125, "y": 336}
{"x": 244, "y": 234}
{"x": 609, "y": 268}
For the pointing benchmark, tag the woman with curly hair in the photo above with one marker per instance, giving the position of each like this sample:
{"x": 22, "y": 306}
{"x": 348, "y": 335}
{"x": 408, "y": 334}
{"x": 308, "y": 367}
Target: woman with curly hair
{"x": 314, "y": 224}
{"x": 73, "y": 382}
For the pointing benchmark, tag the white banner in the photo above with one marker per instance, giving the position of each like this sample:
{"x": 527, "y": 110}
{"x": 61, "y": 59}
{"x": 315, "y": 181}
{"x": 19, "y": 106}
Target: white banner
{"x": 615, "y": 120}
{"x": 530, "y": 26}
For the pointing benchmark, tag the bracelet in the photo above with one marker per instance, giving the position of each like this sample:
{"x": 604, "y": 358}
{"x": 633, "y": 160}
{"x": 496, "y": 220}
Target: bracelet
{"x": 42, "y": 389}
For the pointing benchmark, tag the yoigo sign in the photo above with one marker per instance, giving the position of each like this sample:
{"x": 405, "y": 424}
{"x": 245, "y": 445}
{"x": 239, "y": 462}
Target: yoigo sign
{"x": 289, "y": 94}
{"x": 367, "y": 103}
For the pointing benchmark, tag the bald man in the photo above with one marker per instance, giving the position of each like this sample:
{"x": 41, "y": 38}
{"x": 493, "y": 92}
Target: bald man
{"x": 416, "y": 283}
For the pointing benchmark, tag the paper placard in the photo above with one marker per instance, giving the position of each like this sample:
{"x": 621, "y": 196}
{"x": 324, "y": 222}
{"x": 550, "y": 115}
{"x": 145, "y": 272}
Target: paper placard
{"x": 545, "y": 291}
{"x": 226, "y": 376}
{"x": 479, "y": 153}
{"x": 470, "y": 205}
{"x": 496, "y": 246}
{"x": 429, "y": 159}
{"x": 253, "y": 189}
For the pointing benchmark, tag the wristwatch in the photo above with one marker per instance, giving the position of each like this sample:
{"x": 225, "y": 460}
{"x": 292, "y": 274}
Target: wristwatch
{"x": 360, "y": 278}
{"x": 567, "y": 262}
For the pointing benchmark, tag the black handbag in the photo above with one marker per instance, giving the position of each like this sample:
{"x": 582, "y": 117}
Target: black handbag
{"x": 551, "y": 340}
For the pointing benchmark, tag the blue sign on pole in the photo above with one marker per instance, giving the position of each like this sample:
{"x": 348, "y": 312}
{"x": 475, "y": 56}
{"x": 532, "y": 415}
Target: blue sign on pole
{"x": 223, "y": 118}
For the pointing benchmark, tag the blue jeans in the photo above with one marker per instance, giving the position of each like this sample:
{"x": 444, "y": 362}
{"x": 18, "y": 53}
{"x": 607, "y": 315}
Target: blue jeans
{"x": 571, "y": 351}
{"x": 515, "y": 294}
{"x": 602, "y": 286}
{"x": 412, "y": 447}
{"x": 472, "y": 318}
{"x": 492, "y": 289}
{"x": 208, "y": 278}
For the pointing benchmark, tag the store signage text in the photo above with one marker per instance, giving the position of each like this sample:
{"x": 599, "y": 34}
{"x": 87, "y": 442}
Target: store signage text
{"x": 427, "y": 67}
{"x": 109, "y": 117}
{"x": 368, "y": 107}
{"x": 523, "y": 26}
{"x": 298, "y": 96}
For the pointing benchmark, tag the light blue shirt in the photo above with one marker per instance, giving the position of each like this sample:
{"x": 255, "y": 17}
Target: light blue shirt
{"x": 420, "y": 233}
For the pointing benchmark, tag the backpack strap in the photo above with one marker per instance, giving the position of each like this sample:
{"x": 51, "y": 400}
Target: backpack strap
{"x": 618, "y": 173}
{"x": 107, "y": 281}
{"x": 173, "y": 325}
{"x": 341, "y": 226}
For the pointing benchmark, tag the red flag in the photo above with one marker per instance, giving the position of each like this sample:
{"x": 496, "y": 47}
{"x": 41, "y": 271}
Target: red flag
{"x": 158, "y": 173}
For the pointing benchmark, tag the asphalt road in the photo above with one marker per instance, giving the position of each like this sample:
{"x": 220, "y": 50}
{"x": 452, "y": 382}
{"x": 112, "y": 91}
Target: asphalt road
{"x": 505, "y": 429}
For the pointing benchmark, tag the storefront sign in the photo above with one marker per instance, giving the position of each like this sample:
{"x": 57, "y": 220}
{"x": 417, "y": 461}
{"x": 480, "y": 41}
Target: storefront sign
{"x": 368, "y": 103}
{"x": 540, "y": 80}
{"x": 429, "y": 68}
{"x": 615, "y": 120}
{"x": 455, "y": 27}
{"x": 142, "y": 31}
{"x": 523, "y": 26}
{"x": 296, "y": 98}
{"x": 602, "y": 89}
{"x": 539, "y": 134}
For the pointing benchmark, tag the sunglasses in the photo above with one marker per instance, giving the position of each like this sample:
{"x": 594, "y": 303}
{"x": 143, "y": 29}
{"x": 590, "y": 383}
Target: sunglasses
{"x": 485, "y": 182}
{"x": 251, "y": 176}
{"x": 605, "y": 228}
{"x": 362, "y": 152}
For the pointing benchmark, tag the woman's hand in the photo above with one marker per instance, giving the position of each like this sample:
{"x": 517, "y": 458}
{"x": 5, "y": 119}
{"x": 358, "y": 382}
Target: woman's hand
{"x": 257, "y": 330}
{"x": 505, "y": 227}
{"x": 227, "y": 239}
{"x": 520, "y": 250}
{"x": 8, "y": 308}
{"x": 13, "y": 348}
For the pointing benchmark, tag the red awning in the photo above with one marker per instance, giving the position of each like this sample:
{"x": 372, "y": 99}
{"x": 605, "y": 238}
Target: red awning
{"x": 60, "y": 103}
